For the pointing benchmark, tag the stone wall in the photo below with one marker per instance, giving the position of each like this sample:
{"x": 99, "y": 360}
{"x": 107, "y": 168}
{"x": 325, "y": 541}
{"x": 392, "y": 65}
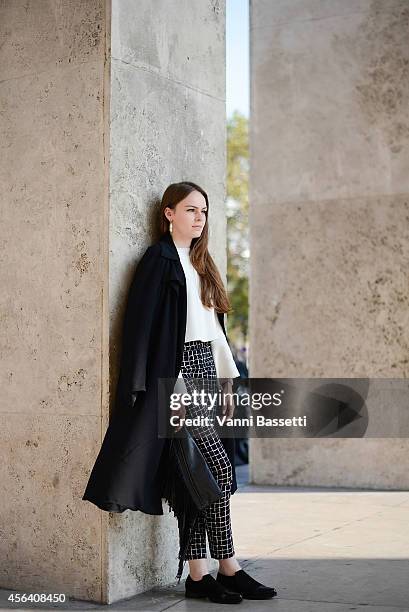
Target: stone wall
{"x": 167, "y": 125}
{"x": 102, "y": 106}
{"x": 329, "y": 195}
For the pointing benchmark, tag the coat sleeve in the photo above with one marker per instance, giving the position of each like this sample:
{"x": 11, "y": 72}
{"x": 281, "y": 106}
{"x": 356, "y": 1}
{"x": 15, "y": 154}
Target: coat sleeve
{"x": 142, "y": 305}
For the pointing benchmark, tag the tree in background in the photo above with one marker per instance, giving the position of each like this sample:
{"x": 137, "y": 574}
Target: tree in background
{"x": 238, "y": 252}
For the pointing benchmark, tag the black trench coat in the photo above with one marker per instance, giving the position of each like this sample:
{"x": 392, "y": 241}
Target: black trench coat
{"x": 129, "y": 470}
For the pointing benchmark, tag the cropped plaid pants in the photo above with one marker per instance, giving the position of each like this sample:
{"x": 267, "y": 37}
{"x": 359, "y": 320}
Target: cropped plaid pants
{"x": 214, "y": 520}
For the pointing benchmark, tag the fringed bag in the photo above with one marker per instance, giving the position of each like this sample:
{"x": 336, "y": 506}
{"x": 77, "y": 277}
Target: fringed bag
{"x": 189, "y": 487}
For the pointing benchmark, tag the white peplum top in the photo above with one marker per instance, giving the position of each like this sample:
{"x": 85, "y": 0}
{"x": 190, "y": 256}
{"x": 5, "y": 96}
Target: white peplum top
{"x": 202, "y": 323}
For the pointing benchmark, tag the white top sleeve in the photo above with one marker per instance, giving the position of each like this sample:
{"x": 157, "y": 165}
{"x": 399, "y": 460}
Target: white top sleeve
{"x": 222, "y": 356}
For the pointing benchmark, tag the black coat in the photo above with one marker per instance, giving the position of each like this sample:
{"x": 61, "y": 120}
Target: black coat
{"x": 129, "y": 469}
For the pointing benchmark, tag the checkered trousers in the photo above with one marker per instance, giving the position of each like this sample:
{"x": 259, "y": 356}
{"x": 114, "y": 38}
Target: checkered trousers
{"x": 214, "y": 520}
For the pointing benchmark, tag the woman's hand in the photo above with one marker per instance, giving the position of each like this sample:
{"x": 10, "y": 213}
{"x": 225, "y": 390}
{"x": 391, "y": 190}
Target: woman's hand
{"x": 227, "y": 400}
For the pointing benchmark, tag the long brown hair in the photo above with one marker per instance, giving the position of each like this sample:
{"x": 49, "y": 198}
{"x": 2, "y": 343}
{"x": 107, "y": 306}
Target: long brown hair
{"x": 211, "y": 284}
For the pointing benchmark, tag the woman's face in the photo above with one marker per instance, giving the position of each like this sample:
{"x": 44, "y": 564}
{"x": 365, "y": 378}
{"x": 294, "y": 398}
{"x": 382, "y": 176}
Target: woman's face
{"x": 188, "y": 217}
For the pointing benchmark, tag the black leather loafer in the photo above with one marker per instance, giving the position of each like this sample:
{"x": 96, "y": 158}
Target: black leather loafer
{"x": 244, "y": 584}
{"x": 209, "y": 587}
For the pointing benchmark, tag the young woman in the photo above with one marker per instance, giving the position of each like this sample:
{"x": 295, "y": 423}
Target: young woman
{"x": 174, "y": 327}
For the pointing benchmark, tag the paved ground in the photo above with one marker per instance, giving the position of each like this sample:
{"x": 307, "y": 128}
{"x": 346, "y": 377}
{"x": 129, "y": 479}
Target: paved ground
{"x": 324, "y": 551}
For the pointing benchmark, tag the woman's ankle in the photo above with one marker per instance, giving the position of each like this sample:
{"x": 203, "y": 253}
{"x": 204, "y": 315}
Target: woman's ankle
{"x": 228, "y": 567}
{"x": 198, "y": 568}
{"x": 197, "y": 577}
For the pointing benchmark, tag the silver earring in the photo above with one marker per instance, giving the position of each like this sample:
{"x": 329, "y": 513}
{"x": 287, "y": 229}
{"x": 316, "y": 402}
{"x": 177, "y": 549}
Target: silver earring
{"x": 171, "y": 226}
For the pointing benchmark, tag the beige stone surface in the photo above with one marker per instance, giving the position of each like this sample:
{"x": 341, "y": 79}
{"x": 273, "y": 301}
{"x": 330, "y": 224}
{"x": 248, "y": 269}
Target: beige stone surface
{"x": 90, "y": 140}
{"x": 329, "y": 84}
{"x": 370, "y": 462}
{"x": 51, "y": 251}
{"x": 167, "y": 124}
{"x": 329, "y": 219}
{"x": 174, "y": 52}
{"x": 50, "y": 540}
{"x": 52, "y": 275}
{"x": 41, "y": 36}
{"x": 331, "y": 285}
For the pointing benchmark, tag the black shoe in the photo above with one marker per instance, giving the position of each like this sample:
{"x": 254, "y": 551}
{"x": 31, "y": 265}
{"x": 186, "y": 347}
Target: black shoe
{"x": 244, "y": 584}
{"x": 209, "y": 587}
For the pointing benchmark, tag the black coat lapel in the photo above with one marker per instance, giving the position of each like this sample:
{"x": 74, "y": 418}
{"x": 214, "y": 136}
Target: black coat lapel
{"x": 176, "y": 274}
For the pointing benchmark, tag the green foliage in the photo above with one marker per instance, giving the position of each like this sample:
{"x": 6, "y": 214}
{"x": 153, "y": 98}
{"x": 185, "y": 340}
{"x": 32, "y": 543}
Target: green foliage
{"x": 237, "y": 226}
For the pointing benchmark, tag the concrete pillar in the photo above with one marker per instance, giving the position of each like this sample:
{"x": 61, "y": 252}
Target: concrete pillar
{"x": 329, "y": 189}
{"x": 103, "y": 104}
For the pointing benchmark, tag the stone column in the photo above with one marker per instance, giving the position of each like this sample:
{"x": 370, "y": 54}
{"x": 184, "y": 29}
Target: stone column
{"x": 103, "y": 104}
{"x": 329, "y": 194}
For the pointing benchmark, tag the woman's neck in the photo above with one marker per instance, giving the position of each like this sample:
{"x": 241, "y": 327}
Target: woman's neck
{"x": 181, "y": 243}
